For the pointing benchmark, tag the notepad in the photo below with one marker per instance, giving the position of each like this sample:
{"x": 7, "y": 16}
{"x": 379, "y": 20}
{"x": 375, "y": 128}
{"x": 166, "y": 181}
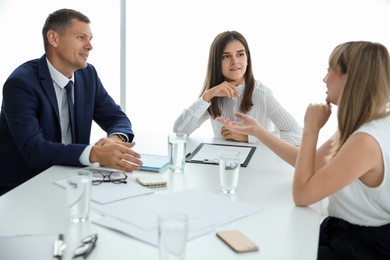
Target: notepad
{"x": 154, "y": 162}
{"x": 152, "y": 181}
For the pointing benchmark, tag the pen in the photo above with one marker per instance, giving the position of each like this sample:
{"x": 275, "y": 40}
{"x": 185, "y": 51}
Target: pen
{"x": 213, "y": 161}
{"x": 59, "y": 246}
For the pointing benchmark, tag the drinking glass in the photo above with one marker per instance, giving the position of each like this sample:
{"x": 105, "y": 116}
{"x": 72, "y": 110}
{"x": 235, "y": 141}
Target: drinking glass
{"x": 78, "y": 189}
{"x": 177, "y": 152}
{"x": 229, "y": 169}
{"x": 172, "y": 235}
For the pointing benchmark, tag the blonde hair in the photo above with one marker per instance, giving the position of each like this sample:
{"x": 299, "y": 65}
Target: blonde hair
{"x": 366, "y": 93}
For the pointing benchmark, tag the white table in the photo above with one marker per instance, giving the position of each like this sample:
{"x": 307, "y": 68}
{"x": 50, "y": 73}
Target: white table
{"x": 282, "y": 230}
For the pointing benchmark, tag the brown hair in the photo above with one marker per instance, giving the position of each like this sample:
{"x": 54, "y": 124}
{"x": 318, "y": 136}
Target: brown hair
{"x": 214, "y": 75}
{"x": 59, "y": 21}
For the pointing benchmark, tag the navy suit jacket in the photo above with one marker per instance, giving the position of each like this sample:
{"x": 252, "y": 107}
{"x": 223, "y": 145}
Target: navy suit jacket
{"x": 30, "y": 132}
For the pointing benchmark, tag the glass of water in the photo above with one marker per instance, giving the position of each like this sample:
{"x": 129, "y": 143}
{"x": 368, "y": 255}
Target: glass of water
{"x": 172, "y": 233}
{"x": 177, "y": 152}
{"x": 229, "y": 169}
{"x": 78, "y": 189}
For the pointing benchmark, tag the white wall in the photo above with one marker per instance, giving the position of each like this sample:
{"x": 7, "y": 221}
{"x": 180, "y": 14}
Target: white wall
{"x": 290, "y": 43}
{"x": 168, "y": 43}
{"x": 21, "y": 23}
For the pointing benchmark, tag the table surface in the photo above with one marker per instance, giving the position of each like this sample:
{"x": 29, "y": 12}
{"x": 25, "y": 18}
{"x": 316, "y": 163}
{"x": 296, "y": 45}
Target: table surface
{"x": 282, "y": 230}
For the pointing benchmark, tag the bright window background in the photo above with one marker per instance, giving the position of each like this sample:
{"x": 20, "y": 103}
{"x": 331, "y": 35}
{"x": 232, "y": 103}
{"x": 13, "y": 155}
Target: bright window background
{"x": 21, "y": 23}
{"x": 168, "y": 43}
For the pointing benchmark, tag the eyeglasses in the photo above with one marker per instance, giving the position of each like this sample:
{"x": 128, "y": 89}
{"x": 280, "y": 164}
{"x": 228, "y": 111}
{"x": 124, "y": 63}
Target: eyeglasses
{"x": 88, "y": 244}
{"x": 100, "y": 176}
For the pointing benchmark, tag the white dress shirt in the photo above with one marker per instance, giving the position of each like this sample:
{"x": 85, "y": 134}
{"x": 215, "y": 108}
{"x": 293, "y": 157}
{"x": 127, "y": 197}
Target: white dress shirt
{"x": 59, "y": 83}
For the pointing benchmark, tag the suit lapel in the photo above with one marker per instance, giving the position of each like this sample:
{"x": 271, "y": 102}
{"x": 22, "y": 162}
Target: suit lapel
{"x": 78, "y": 101}
{"x": 47, "y": 85}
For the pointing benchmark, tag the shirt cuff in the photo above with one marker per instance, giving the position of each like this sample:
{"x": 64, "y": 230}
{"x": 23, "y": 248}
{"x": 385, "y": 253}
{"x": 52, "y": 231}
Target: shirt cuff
{"x": 199, "y": 107}
{"x": 84, "y": 157}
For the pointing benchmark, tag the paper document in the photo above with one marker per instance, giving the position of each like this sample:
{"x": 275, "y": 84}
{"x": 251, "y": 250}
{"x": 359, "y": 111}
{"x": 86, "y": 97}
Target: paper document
{"x": 107, "y": 192}
{"x": 209, "y": 153}
{"x": 203, "y": 217}
{"x": 22, "y": 247}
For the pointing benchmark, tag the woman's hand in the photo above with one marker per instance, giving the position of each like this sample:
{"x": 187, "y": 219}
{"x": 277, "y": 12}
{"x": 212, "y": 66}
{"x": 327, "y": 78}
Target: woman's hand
{"x": 234, "y": 136}
{"x": 316, "y": 116}
{"x": 225, "y": 89}
{"x": 248, "y": 125}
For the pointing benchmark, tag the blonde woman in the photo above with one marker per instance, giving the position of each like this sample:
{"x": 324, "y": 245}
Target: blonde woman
{"x": 352, "y": 169}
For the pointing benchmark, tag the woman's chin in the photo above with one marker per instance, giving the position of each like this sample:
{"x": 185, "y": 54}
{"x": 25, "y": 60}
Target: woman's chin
{"x": 327, "y": 100}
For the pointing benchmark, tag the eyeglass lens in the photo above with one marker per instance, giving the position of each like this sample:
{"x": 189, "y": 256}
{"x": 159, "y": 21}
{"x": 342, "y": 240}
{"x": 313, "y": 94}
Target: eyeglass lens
{"x": 88, "y": 243}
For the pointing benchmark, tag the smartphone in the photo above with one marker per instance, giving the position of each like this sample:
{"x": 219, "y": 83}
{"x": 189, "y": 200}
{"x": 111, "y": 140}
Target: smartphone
{"x": 237, "y": 241}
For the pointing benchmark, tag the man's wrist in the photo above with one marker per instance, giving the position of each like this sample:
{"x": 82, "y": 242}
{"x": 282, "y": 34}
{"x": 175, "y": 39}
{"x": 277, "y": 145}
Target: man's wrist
{"x": 87, "y": 155}
{"x": 122, "y": 137}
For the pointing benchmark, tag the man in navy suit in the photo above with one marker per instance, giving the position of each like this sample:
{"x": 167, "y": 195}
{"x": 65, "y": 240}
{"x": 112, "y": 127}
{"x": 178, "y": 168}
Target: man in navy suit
{"x": 42, "y": 124}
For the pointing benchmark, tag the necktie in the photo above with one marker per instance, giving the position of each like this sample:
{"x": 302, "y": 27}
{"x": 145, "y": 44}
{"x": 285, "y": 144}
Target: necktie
{"x": 68, "y": 88}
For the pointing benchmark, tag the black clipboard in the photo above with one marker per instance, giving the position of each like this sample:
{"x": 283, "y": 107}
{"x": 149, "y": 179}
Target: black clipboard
{"x": 192, "y": 157}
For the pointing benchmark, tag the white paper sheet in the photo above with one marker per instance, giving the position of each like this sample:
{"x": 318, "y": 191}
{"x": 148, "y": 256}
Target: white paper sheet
{"x": 109, "y": 192}
{"x": 210, "y": 152}
{"x": 38, "y": 246}
{"x": 137, "y": 217}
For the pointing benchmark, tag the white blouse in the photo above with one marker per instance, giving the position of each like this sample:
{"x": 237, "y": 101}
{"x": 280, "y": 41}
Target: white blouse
{"x": 266, "y": 110}
{"x": 358, "y": 203}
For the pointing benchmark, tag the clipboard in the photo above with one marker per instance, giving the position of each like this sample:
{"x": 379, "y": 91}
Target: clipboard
{"x": 208, "y": 153}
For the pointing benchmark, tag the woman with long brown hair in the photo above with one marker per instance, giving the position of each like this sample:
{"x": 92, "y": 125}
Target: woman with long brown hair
{"x": 231, "y": 87}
